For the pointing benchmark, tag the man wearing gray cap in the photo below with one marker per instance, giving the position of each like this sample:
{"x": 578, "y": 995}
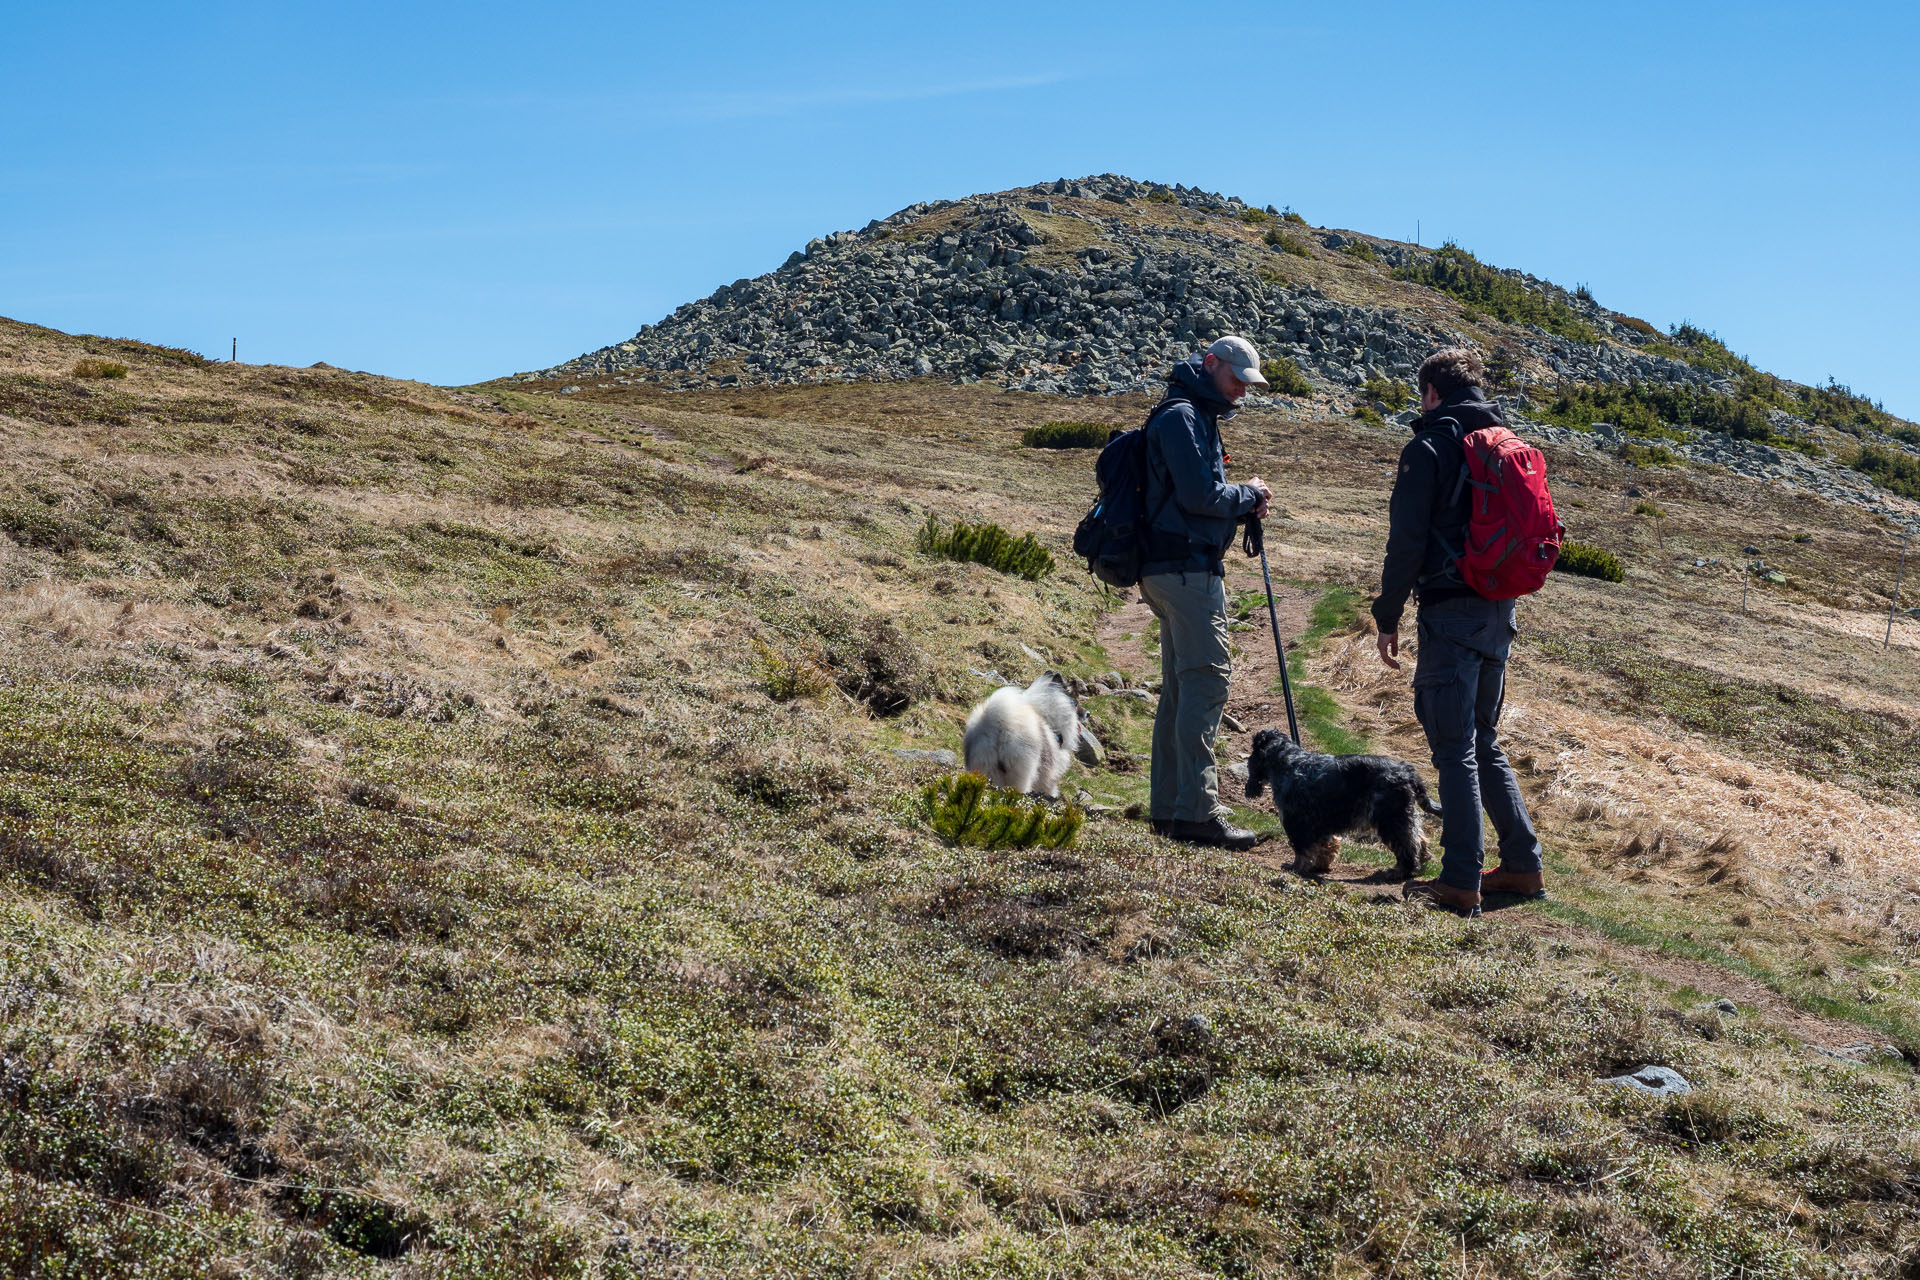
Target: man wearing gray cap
{"x": 1192, "y": 513}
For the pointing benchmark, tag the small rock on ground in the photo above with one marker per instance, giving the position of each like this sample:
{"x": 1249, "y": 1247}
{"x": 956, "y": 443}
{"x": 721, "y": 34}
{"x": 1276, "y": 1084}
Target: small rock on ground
{"x": 1661, "y": 1082}
{"x": 943, "y": 758}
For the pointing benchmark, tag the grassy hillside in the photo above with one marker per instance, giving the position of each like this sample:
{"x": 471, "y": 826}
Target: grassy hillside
{"x": 458, "y": 833}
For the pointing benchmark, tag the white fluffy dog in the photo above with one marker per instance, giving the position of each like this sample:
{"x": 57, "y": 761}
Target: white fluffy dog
{"x": 1024, "y": 739}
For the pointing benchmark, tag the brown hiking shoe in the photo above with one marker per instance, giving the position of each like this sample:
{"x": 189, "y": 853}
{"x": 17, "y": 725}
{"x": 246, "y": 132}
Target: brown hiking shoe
{"x": 1521, "y": 884}
{"x": 1442, "y": 897}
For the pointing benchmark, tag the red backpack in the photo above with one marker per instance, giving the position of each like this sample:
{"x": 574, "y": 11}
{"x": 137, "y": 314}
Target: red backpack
{"x": 1513, "y": 535}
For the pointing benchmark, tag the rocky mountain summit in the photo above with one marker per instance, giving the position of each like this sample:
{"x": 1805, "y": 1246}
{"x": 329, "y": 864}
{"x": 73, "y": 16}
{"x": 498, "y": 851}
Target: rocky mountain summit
{"x": 1087, "y": 286}
{"x": 1094, "y": 286}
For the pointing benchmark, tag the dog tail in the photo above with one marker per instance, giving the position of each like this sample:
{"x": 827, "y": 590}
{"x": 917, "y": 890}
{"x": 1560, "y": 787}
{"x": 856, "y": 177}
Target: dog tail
{"x": 1425, "y": 801}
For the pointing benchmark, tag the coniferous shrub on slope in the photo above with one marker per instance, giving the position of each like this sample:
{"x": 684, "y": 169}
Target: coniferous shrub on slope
{"x": 1284, "y": 377}
{"x": 1457, "y": 273}
{"x": 1066, "y": 435}
{"x": 986, "y": 544}
{"x": 1277, "y": 239}
{"x": 964, "y": 809}
{"x": 1890, "y": 469}
{"x": 1589, "y": 562}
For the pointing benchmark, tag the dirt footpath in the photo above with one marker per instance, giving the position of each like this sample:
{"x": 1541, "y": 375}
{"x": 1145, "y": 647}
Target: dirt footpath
{"x": 1253, "y": 701}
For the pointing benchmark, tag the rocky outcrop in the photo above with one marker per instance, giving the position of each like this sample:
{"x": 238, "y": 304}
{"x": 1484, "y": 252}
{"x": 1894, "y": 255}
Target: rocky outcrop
{"x": 1786, "y": 467}
{"x": 1097, "y": 285}
{"x": 1053, "y": 288}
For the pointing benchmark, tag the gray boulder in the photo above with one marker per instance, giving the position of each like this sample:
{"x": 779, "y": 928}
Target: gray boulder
{"x": 1661, "y": 1082}
{"x": 942, "y": 758}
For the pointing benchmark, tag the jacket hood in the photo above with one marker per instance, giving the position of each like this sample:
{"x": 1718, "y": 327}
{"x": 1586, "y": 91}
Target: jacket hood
{"x": 1468, "y": 406}
{"x": 1190, "y": 379}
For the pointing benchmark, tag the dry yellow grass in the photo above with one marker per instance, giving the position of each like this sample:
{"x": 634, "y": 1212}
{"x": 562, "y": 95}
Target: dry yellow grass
{"x": 408, "y": 869}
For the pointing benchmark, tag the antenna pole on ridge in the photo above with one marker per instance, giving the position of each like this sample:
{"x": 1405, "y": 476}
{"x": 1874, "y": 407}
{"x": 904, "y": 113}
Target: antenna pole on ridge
{"x": 1898, "y": 575}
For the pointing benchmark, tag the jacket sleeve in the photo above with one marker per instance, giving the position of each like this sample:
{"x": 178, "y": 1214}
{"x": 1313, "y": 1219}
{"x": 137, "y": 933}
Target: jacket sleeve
{"x": 1189, "y": 463}
{"x": 1409, "y": 525}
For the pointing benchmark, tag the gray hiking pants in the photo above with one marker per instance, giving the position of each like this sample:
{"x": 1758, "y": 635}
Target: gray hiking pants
{"x": 1459, "y": 686}
{"x": 1194, "y": 665}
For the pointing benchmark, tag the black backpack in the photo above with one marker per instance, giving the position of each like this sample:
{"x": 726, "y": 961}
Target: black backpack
{"x": 1112, "y": 537}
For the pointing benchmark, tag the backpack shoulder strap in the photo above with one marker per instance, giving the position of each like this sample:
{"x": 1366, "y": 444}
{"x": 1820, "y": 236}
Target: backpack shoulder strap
{"x": 1172, "y": 398}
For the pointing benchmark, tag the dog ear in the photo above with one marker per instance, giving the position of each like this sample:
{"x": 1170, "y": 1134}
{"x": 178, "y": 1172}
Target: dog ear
{"x": 1256, "y": 780}
{"x": 1055, "y": 677}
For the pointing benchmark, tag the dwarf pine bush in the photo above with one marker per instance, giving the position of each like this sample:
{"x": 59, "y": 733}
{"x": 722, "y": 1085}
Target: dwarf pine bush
{"x": 1589, "y": 562}
{"x": 1457, "y": 273}
{"x": 1890, "y": 469}
{"x": 986, "y": 544}
{"x": 784, "y": 677}
{"x": 964, "y": 809}
{"x": 1387, "y": 393}
{"x": 1285, "y": 244}
{"x": 1284, "y": 377}
{"x": 1066, "y": 435}
{"x": 91, "y": 368}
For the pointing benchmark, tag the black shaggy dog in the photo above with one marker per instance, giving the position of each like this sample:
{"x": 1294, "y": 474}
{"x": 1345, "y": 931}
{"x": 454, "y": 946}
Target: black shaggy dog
{"x": 1321, "y": 798}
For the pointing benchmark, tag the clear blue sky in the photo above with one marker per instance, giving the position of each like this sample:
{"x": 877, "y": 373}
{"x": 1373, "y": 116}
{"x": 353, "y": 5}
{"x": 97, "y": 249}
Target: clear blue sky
{"x": 453, "y": 192}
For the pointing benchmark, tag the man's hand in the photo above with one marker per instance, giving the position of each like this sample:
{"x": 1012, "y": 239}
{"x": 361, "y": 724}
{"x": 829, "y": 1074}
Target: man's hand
{"x": 1266, "y": 497}
{"x": 1390, "y": 648}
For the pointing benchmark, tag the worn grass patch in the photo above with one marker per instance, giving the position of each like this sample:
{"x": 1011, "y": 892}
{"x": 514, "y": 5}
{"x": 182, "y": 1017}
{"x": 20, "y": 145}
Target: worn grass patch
{"x": 1821, "y": 736}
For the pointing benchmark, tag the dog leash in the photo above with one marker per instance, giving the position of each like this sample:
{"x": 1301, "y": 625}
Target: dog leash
{"x": 1256, "y": 544}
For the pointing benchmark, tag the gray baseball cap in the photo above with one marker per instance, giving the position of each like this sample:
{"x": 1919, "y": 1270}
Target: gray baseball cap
{"x": 1239, "y": 355}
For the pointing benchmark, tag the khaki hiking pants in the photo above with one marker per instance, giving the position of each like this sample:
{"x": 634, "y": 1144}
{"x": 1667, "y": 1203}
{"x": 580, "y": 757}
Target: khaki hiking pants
{"x": 1194, "y": 667}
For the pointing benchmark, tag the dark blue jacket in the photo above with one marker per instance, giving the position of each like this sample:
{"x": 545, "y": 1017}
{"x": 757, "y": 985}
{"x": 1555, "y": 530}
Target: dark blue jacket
{"x": 1427, "y": 515}
{"x": 1192, "y": 510}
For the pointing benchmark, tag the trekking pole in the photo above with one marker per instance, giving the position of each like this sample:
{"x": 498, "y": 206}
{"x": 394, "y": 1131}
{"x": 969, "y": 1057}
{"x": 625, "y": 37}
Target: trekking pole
{"x": 1257, "y": 543}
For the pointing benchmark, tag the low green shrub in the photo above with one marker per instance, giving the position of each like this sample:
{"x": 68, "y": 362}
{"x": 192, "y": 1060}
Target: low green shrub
{"x": 986, "y": 544}
{"x": 1368, "y": 414}
{"x": 1648, "y": 509}
{"x": 1589, "y": 562}
{"x": 1360, "y": 249}
{"x": 1160, "y": 195}
{"x": 964, "y": 809}
{"x": 1652, "y": 409}
{"x": 1285, "y": 378}
{"x": 1256, "y": 216}
{"x": 1896, "y": 471}
{"x": 1646, "y": 455}
{"x": 1688, "y": 342}
{"x": 1066, "y": 435}
{"x": 1285, "y": 244}
{"x": 91, "y": 368}
{"x": 1458, "y": 274}
{"x": 784, "y": 676}
{"x": 1835, "y": 405}
{"x": 1387, "y": 394}
{"x": 1504, "y": 371}
{"x": 1288, "y": 215}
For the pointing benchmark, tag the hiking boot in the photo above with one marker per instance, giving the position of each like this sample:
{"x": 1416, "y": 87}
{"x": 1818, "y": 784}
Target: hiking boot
{"x": 1521, "y": 884}
{"x": 1159, "y": 826}
{"x": 1442, "y": 897}
{"x": 1215, "y": 833}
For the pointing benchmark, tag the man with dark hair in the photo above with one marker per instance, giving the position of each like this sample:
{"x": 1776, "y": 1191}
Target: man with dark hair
{"x": 1459, "y": 680}
{"x": 1192, "y": 513}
